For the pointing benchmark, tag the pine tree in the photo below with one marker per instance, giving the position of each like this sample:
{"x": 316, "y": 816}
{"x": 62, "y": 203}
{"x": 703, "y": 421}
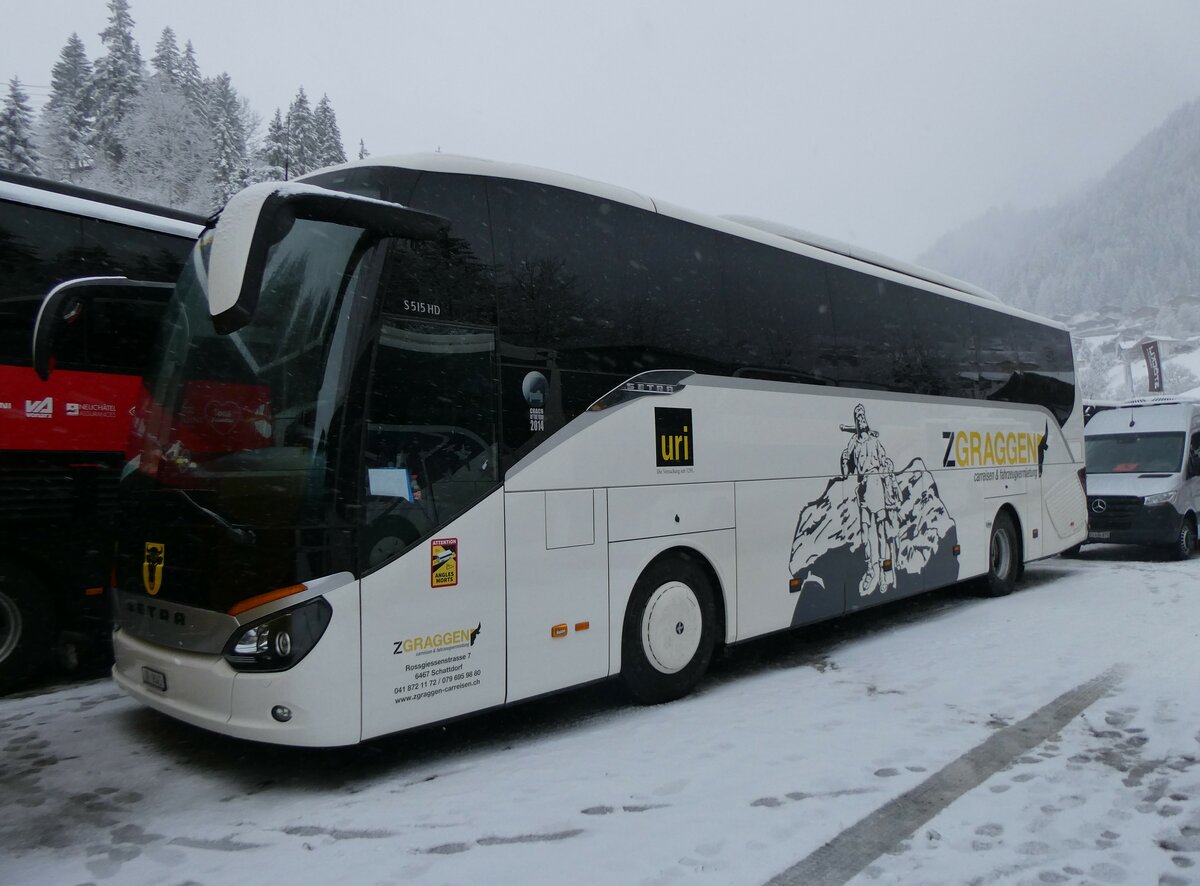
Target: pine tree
{"x": 191, "y": 82}
{"x": 273, "y": 158}
{"x": 363, "y": 153}
{"x": 301, "y": 137}
{"x": 228, "y": 131}
{"x": 167, "y": 60}
{"x": 17, "y": 151}
{"x": 330, "y": 149}
{"x": 117, "y": 78}
{"x": 67, "y": 125}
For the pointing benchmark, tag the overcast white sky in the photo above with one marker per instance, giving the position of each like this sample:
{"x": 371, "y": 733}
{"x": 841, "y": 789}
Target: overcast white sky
{"x": 881, "y": 122}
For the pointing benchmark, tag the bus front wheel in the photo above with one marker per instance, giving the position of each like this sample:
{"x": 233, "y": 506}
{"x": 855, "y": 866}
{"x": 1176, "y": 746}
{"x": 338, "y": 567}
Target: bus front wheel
{"x": 1004, "y": 558}
{"x": 670, "y": 631}
{"x": 24, "y": 626}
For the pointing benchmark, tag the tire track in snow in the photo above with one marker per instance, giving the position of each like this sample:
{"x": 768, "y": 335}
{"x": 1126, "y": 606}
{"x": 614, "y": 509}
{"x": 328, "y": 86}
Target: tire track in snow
{"x": 860, "y": 844}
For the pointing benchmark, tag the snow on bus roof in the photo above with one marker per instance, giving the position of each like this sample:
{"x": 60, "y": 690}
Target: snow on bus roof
{"x": 71, "y": 204}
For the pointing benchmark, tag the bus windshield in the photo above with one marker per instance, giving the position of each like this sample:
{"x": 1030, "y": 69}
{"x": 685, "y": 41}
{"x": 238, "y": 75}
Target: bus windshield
{"x": 231, "y": 440}
{"x": 1158, "y": 453}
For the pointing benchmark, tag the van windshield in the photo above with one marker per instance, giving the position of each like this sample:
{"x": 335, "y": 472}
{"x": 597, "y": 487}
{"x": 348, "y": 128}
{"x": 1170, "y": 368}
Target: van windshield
{"x": 1157, "y": 453}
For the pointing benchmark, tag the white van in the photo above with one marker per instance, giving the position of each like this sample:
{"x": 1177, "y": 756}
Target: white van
{"x": 1143, "y": 474}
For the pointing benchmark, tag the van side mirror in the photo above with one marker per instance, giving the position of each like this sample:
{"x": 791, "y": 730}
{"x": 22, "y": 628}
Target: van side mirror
{"x": 67, "y": 303}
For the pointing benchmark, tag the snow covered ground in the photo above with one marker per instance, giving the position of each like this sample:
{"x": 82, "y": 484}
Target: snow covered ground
{"x": 925, "y": 735}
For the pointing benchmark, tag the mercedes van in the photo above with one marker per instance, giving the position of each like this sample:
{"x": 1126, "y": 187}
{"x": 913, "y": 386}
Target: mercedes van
{"x": 1143, "y": 474}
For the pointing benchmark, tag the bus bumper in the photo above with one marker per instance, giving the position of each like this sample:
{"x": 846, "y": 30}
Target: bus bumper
{"x": 205, "y": 691}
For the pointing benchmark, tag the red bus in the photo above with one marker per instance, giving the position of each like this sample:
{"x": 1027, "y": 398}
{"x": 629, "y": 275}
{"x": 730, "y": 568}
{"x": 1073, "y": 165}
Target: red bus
{"x": 62, "y": 440}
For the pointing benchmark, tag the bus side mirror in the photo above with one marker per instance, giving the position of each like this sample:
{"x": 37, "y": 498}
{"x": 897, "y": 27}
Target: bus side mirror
{"x": 258, "y": 217}
{"x": 67, "y": 303}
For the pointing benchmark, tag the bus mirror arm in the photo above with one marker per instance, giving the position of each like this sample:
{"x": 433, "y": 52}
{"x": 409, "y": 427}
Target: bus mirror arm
{"x": 67, "y": 302}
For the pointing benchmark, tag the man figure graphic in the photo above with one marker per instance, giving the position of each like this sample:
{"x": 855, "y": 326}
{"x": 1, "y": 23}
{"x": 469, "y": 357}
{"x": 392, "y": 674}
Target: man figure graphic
{"x": 864, "y": 457}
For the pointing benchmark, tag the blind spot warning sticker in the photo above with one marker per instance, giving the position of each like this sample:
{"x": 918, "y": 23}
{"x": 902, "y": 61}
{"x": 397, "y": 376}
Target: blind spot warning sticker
{"x": 443, "y": 562}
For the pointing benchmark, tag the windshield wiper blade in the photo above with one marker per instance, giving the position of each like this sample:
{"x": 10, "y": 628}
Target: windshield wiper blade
{"x": 237, "y": 534}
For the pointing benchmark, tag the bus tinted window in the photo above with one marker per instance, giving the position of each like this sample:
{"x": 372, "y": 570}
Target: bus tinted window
{"x": 120, "y": 333}
{"x": 1047, "y": 368}
{"x": 875, "y": 348}
{"x": 38, "y": 248}
{"x": 944, "y": 338}
{"x": 686, "y": 324}
{"x": 780, "y": 324}
{"x": 572, "y": 278}
{"x": 122, "y": 251}
{"x": 462, "y": 200}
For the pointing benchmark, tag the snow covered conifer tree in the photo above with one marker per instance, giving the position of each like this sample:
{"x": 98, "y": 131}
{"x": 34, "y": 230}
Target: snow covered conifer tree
{"x": 191, "y": 82}
{"x": 167, "y": 61}
{"x": 67, "y": 131}
{"x": 363, "y": 153}
{"x": 17, "y": 151}
{"x": 301, "y": 137}
{"x": 273, "y": 160}
{"x": 229, "y": 140}
{"x": 117, "y": 77}
{"x": 330, "y": 149}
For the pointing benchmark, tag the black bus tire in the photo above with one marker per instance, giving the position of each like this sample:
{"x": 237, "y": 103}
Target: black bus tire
{"x": 25, "y": 626}
{"x": 1004, "y": 558}
{"x": 670, "y": 630}
{"x": 1185, "y": 542}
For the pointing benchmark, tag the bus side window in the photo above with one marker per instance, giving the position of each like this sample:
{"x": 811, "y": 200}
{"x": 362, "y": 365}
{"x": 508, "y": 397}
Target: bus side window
{"x": 874, "y": 332}
{"x": 119, "y": 332}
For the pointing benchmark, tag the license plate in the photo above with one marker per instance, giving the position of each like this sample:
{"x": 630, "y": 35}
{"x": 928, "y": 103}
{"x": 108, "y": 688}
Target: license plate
{"x": 154, "y": 678}
{"x": 1099, "y": 535}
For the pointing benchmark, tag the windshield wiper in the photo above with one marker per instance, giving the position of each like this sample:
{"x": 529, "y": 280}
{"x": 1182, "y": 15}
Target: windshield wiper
{"x": 236, "y": 534}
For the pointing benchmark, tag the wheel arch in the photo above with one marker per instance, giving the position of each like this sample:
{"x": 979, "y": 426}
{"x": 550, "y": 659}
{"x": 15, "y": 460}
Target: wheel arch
{"x": 702, "y": 552}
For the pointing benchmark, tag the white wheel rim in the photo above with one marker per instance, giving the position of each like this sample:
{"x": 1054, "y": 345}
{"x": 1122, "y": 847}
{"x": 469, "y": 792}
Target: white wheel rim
{"x": 671, "y": 627}
{"x": 10, "y": 626}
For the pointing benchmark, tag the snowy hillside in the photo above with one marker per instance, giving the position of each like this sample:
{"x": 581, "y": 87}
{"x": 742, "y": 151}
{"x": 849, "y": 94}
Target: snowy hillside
{"x": 1131, "y": 239}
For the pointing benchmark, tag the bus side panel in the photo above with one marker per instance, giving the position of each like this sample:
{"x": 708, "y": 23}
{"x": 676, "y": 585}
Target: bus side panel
{"x": 558, "y": 617}
{"x": 72, "y": 411}
{"x": 433, "y": 626}
{"x": 767, "y": 514}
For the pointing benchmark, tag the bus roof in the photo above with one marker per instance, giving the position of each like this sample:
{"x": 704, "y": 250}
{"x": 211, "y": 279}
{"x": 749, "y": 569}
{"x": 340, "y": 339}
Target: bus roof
{"x": 772, "y": 233}
{"x": 63, "y": 197}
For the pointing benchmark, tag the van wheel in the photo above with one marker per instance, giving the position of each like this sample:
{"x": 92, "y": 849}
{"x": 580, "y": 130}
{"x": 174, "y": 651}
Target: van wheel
{"x": 1004, "y": 558}
{"x": 669, "y": 632}
{"x": 24, "y": 626}
{"x": 1185, "y": 544}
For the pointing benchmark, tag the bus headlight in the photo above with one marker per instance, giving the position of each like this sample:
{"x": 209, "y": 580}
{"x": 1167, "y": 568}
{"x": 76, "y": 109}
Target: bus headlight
{"x": 281, "y": 640}
{"x": 1159, "y": 498}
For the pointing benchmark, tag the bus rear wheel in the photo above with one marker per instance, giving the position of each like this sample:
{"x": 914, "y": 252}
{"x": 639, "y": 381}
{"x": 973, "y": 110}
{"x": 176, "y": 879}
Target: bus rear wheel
{"x": 1004, "y": 558}
{"x": 24, "y": 626}
{"x": 670, "y": 631}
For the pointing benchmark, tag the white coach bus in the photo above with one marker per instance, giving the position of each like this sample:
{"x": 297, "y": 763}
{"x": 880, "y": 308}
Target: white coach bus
{"x": 429, "y": 435}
